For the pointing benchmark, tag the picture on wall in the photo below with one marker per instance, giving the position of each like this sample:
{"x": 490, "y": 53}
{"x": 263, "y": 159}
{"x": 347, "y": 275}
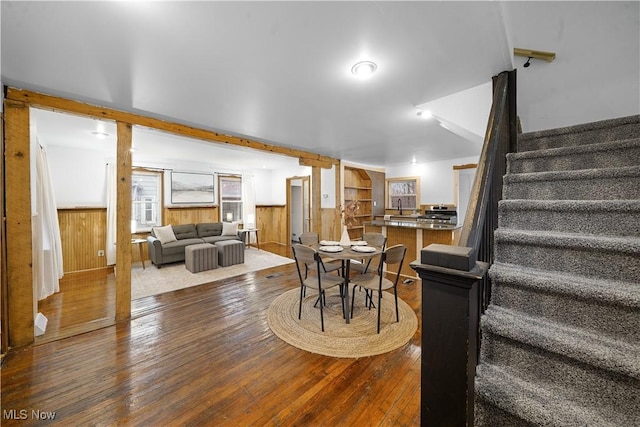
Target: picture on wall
{"x": 192, "y": 188}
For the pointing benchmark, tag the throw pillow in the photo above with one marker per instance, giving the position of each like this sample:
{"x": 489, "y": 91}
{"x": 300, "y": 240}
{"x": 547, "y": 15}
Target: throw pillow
{"x": 229, "y": 228}
{"x": 164, "y": 234}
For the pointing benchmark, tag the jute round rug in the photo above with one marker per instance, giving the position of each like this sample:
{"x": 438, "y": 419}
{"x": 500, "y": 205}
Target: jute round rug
{"x": 357, "y": 339}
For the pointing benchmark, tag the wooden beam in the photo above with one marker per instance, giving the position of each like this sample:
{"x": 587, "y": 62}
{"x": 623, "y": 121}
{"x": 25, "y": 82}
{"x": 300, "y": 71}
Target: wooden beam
{"x": 316, "y": 200}
{"x": 305, "y": 161}
{"x": 21, "y": 304}
{"x": 55, "y": 103}
{"x": 123, "y": 222}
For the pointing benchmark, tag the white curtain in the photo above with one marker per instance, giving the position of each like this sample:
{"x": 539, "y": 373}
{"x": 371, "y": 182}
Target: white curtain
{"x": 112, "y": 197}
{"x": 249, "y": 203}
{"x": 47, "y": 245}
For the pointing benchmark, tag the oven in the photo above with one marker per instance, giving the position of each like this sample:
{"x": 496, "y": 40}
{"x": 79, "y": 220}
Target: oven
{"x": 439, "y": 214}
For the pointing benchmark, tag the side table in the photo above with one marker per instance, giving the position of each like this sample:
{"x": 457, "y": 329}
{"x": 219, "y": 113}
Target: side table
{"x": 139, "y": 242}
{"x": 248, "y": 232}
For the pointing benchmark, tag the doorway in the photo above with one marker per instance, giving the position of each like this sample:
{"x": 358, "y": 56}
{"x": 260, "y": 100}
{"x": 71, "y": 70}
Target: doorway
{"x": 298, "y": 207}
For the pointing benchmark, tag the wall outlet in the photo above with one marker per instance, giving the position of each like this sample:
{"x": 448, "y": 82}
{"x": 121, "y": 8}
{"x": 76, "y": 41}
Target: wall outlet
{"x": 100, "y": 253}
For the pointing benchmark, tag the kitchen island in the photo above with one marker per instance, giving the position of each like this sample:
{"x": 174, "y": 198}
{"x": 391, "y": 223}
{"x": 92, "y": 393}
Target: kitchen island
{"x": 414, "y": 234}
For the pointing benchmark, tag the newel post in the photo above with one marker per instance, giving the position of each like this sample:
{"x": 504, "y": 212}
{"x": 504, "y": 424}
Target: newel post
{"x": 450, "y": 282}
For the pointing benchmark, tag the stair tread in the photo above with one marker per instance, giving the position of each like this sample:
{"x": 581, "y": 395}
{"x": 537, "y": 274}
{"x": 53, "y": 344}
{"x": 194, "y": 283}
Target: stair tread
{"x": 619, "y": 244}
{"x": 619, "y": 205}
{"x": 580, "y": 128}
{"x": 577, "y": 149}
{"x": 608, "y": 291}
{"x": 578, "y": 174}
{"x": 540, "y": 405}
{"x": 605, "y": 353}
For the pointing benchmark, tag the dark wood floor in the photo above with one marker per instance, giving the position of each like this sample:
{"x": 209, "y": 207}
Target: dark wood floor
{"x": 206, "y": 356}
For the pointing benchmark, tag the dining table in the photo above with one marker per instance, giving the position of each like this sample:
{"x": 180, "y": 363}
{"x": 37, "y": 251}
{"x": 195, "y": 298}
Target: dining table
{"x": 358, "y": 250}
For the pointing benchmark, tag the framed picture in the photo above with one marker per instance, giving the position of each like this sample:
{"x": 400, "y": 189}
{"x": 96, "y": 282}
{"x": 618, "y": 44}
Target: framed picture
{"x": 192, "y": 188}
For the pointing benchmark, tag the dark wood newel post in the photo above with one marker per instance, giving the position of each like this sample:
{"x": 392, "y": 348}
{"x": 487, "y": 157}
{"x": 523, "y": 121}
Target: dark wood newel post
{"x": 449, "y": 343}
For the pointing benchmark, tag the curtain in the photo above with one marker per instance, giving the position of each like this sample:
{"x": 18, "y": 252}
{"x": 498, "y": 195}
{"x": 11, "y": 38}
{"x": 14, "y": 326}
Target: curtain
{"x": 249, "y": 203}
{"x": 47, "y": 244}
{"x": 112, "y": 197}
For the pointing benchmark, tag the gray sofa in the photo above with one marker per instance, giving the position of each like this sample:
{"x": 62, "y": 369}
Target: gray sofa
{"x": 186, "y": 234}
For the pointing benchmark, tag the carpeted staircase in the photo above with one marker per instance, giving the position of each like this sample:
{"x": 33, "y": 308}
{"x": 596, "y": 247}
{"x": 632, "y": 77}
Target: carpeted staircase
{"x": 561, "y": 338}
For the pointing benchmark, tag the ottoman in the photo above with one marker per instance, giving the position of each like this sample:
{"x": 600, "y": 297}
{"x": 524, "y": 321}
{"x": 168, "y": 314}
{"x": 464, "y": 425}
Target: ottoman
{"x": 201, "y": 257}
{"x": 230, "y": 252}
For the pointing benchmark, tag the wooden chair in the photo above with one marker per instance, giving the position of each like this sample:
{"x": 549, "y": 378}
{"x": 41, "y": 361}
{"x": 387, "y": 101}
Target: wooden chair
{"x": 306, "y": 255}
{"x": 311, "y": 239}
{"x": 378, "y": 240}
{"x": 370, "y": 282}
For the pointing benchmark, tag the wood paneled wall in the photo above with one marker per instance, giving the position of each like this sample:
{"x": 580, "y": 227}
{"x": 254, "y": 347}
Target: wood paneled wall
{"x": 83, "y": 234}
{"x": 190, "y": 215}
{"x": 272, "y": 222}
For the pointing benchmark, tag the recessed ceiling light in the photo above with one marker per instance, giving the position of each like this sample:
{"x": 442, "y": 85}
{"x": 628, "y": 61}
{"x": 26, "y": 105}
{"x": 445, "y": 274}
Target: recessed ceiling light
{"x": 364, "y": 68}
{"x": 100, "y": 135}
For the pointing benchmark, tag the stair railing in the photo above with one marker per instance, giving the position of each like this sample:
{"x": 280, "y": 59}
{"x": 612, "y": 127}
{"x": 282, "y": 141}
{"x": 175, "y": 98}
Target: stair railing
{"x": 455, "y": 286}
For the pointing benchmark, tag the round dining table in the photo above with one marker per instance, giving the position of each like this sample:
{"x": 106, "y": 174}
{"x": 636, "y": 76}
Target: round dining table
{"x": 346, "y": 254}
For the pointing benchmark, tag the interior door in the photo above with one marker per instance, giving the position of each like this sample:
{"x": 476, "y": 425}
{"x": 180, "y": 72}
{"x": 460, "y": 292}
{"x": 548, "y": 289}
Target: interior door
{"x": 306, "y": 204}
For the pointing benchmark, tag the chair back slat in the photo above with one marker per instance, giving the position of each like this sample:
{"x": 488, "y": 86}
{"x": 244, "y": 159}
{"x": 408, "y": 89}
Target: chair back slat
{"x": 304, "y": 254}
{"x": 395, "y": 254}
{"x": 309, "y": 238}
{"x": 375, "y": 239}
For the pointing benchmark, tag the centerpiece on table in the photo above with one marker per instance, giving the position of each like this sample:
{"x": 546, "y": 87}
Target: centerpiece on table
{"x": 347, "y": 218}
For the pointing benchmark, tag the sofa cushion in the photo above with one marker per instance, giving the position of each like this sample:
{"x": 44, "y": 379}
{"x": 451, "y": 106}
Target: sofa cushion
{"x": 178, "y": 246}
{"x": 214, "y": 239}
{"x": 164, "y": 234}
{"x": 185, "y": 231}
{"x": 230, "y": 229}
{"x": 207, "y": 229}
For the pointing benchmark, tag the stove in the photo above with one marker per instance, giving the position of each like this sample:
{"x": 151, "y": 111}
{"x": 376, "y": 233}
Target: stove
{"x": 439, "y": 214}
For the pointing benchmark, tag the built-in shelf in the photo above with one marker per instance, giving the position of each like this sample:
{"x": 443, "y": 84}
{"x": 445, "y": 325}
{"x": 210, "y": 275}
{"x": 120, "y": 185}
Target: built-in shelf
{"x": 357, "y": 188}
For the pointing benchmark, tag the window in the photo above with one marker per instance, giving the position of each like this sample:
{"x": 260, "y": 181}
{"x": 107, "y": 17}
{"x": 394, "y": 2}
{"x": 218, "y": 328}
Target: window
{"x": 230, "y": 190}
{"x": 146, "y": 200}
{"x": 403, "y": 193}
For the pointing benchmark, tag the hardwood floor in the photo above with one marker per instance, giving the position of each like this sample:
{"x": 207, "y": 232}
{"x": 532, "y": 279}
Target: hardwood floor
{"x": 206, "y": 356}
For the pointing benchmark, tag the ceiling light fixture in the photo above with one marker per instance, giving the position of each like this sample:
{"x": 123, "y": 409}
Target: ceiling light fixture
{"x": 526, "y": 64}
{"x": 100, "y": 135}
{"x": 425, "y": 114}
{"x": 364, "y": 68}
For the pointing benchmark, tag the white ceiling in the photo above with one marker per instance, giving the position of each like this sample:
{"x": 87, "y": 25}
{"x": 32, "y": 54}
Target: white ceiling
{"x": 278, "y": 72}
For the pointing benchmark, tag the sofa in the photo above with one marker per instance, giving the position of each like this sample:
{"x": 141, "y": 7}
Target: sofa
{"x": 167, "y": 244}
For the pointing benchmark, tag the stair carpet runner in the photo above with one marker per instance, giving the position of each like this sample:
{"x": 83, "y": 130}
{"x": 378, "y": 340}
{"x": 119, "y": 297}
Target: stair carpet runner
{"x": 561, "y": 337}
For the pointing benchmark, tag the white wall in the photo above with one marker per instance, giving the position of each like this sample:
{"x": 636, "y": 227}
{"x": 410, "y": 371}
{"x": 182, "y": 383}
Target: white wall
{"x": 436, "y": 178}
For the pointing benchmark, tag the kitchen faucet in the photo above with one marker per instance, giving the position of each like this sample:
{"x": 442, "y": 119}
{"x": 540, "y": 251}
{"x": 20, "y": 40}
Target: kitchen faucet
{"x": 400, "y": 206}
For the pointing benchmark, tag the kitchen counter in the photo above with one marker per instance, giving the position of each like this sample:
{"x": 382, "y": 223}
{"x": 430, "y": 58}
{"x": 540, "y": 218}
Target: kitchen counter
{"x": 414, "y": 234}
{"x": 408, "y": 223}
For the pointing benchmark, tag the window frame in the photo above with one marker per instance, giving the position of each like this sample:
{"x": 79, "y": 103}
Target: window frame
{"x": 237, "y": 214}
{"x": 391, "y": 197}
{"x": 141, "y": 225}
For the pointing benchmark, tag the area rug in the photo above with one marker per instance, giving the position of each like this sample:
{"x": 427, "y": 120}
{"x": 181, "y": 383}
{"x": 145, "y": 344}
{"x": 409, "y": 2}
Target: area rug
{"x": 357, "y": 339}
{"x": 171, "y": 277}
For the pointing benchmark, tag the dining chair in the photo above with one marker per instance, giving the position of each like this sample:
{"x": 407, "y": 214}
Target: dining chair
{"x": 377, "y": 282}
{"x": 378, "y": 240}
{"x": 306, "y": 255}
{"x": 310, "y": 239}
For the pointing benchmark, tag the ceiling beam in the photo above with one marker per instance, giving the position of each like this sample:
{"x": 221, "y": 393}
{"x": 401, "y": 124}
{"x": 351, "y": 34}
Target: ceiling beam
{"x": 305, "y": 161}
{"x": 54, "y": 103}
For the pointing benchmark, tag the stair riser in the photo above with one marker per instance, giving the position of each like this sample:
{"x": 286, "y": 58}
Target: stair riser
{"x": 628, "y": 131}
{"x": 592, "y": 160}
{"x": 613, "y": 321}
{"x": 571, "y": 221}
{"x": 587, "y": 386}
{"x": 580, "y": 261}
{"x": 489, "y": 415}
{"x": 626, "y": 188}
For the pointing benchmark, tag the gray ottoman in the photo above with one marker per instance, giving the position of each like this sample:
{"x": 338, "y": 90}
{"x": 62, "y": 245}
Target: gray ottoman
{"x": 230, "y": 252}
{"x": 201, "y": 257}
